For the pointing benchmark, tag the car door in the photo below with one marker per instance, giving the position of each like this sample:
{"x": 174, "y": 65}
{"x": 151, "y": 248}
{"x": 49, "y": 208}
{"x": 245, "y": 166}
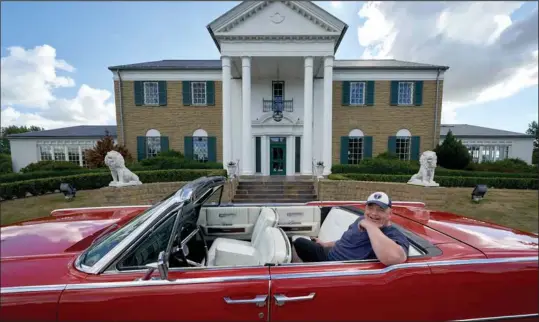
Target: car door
{"x": 233, "y": 294}
{"x": 349, "y": 292}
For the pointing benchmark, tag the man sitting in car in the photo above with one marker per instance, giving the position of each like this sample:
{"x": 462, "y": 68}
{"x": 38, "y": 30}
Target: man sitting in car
{"x": 370, "y": 237}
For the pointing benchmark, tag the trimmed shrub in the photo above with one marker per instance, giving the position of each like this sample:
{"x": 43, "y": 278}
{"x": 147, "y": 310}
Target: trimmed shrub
{"x": 171, "y": 154}
{"x": 452, "y": 154}
{"x": 5, "y": 163}
{"x": 507, "y": 165}
{"x": 387, "y": 156}
{"x": 162, "y": 163}
{"x": 12, "y": 177}
{"x": 448, "y": 181}
{"x": 96, "y": 180}
{"x": 50, "y": 166}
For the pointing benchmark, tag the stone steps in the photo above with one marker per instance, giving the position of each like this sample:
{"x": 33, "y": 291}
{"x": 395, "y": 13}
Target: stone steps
{"x": 274, "y": 191}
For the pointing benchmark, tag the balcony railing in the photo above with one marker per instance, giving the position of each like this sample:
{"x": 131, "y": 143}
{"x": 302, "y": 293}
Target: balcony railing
{"x": 278, "y": 105}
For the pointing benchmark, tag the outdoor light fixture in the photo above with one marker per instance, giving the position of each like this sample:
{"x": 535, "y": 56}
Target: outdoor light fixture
{"x": 68, "y": 190}
{"x": 479, "y": 192}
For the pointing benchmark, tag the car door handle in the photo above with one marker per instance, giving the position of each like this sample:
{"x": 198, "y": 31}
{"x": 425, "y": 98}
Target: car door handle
{"x": 281, "y": 299}
{"x": 259, "y": 300}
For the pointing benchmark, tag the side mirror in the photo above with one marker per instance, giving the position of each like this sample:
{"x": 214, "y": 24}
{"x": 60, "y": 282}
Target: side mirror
{"x": 160, "y": 265}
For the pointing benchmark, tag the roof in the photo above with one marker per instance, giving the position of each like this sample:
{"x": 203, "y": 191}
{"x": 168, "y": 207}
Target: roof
{"x": 73, "y": 131}
{"x": 466, "y": 130}
{"x": 171, "y": 64}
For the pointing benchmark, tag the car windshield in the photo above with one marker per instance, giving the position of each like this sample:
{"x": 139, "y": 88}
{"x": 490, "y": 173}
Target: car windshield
{"x": 98, "y": 250}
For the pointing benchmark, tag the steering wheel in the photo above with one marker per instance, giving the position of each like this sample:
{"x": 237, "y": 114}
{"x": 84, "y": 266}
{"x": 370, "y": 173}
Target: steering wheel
{"x": 183, "y": 250}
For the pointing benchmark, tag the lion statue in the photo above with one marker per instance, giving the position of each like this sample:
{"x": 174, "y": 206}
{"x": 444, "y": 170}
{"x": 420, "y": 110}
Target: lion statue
{"x": 427, "y": 165}
{"x": 121, "y": 176}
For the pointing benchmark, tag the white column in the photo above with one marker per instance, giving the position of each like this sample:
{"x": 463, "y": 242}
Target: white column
{"x": 227, "y": 112}
{"x": 290, "y": 155}
{"x": 327, "y": 115}
{"x": 307, "y": 144}
{"x": 247, "y": 148}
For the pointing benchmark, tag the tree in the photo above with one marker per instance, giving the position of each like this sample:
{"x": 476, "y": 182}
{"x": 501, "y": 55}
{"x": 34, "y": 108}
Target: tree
{"x": 452, "y": 154}
{"x": 14, "y": 129}
{"x": 532, "y": 130}
{"x": 95, "y": 158}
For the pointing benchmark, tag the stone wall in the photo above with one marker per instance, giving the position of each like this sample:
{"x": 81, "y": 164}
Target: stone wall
{"x": 359, "y": 190}
{"x": 148, "y": 193}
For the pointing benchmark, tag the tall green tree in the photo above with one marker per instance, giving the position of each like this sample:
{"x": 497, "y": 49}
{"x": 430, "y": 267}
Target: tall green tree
{"x": 452, "y": 154}
{"x": 532, "y": 130}
{"x": 14, "y": 129}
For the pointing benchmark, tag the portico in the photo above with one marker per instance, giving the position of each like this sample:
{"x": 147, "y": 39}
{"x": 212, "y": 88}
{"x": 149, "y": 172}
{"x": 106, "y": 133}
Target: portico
{"x": 273, "y": 56}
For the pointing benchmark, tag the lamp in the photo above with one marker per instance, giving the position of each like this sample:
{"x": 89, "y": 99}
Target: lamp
{"x": 479, "y": 192}
{"x": 68, "y": 190}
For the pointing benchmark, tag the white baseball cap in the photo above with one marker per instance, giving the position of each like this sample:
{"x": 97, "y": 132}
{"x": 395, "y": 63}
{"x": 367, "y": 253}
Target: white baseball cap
{"x": 379, "y": 198}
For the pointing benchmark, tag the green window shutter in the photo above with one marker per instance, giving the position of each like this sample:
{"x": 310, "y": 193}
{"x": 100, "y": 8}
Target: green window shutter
{"x": 212, "y": 149}
{"x": 186, "y": 93}
{"x": 139, "y": 93}
{"x": 188, "y": 147}
{"x": 210, "y": 93}
{"x": 367, "y": 147}
{"x": 344, "y": 149}
{"x": 392, "y": 145}
{"x": 414, "y": 150}
{"x": 141, "y": 147}
{"x": 298, "y": 154}
{"x": 345, "y": 93}
{"x": 258, "y": 154}
{"x": 162, "y": 85}
{"x": 369, "y": 97}
{"x": 164, "y": 143}
{"x": 418, "y": 93}
{"x": 394, "y": 93}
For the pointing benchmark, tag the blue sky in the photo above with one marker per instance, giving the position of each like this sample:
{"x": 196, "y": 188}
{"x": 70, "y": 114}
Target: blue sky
{"x": 90, "y": 36}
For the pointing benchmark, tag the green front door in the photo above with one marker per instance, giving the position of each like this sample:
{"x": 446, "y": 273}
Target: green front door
{"x": 277, "y": 156}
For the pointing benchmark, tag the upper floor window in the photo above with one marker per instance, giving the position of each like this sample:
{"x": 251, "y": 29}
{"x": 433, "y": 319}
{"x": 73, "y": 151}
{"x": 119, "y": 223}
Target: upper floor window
{"x": 406, "y": 90}
{"x": 199, "y": 93}
{"x": 357, "y": 93}
{"x": 151, "y": 93}
{"x": 278, "y": 90}
{"x": 403, "y": 144}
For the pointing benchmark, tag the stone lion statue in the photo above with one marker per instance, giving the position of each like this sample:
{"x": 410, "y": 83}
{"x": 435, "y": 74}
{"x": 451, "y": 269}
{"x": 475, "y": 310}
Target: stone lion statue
{"x": 121, "y": 176}
{"x": 425, "y": 176}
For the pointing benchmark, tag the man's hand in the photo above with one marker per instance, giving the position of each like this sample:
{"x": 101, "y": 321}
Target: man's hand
{"x": 324, "y": 244}
{"x": 367, "y": 224}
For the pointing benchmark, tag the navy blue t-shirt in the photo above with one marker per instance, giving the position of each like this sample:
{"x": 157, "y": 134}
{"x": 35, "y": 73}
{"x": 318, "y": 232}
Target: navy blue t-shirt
{"x": 356, "y": 245}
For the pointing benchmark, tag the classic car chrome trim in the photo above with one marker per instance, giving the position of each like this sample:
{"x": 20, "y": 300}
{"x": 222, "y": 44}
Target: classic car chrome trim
{"x": 494, "y": 318}
{"x": 276, "y": 276}
{"x": 33, "y": 288}
{"x": 394, "y": 202}
{"x": 103, "y": 207}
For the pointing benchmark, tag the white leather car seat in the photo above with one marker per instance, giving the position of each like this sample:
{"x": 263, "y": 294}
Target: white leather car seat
{"x": 266, "y": 218}
{"x": 271, "y": 246}
{"x": 336, "y": 223}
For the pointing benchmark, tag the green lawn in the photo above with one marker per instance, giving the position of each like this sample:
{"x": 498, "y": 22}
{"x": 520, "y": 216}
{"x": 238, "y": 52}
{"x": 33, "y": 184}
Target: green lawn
{"x": 513, "y": 208}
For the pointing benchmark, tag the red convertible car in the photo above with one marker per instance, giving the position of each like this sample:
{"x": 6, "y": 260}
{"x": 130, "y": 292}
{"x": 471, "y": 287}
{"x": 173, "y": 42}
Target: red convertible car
{"x": 191, "y": 258}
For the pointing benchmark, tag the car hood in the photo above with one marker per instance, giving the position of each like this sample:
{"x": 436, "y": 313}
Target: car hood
{"x": 491, "y": 239}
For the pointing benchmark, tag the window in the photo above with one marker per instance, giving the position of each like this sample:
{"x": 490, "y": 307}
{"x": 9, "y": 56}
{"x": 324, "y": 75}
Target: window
{"x": 403, "y": 144}
{"x": 198, "y": 92}
{"x": 59, "y": 153}
{"x": 151, "y": 93}
{"x": 45, "y": 153}
{"x": 153, "y": 143}
{"x": 200, "y": 146}
{"x": 357, "y": 93}
{"x": 278, "y": 90}
{"x": 355, "y": 146}
{"x": 73, "y": 154}
{"x": 406, "y": 90}
{"x": 83, "y": 155}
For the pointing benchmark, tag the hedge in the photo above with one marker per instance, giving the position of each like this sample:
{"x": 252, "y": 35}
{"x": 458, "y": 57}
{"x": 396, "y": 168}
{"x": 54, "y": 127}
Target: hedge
{"x": 96, "y": 180}
{"x": 401, "y": 168}
{"x": 164, "y": 162}
{"x": 446, "y": 181}
{"x": 13, "y": 177}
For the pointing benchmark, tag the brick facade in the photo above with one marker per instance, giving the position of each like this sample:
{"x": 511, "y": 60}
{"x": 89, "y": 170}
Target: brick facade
{"x": 383, "y": 120}
{"x": 173, "y": 120}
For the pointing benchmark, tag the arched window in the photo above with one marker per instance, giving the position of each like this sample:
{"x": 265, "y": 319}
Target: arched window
{"x": 355, "y": 146}
{"x": 403, "y": 144}
{"x": 153, "y": 143}
{"x": 200, "y": 146}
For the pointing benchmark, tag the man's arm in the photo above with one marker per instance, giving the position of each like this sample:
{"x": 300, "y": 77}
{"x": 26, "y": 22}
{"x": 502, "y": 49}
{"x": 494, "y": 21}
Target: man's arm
{"x": 386, "y": 250}
{"x": 325, "y": 244}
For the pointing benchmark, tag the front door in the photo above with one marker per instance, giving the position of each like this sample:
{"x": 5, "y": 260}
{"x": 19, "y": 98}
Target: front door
{"x": 277, "y": 156}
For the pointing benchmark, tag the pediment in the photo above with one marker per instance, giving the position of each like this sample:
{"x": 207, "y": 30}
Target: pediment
{"x": 276, "y": 18}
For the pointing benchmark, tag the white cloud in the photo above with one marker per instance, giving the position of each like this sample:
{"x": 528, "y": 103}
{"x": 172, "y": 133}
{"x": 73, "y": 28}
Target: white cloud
{"x": 489, "y": 55}
{"x": 29, "y": 78}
